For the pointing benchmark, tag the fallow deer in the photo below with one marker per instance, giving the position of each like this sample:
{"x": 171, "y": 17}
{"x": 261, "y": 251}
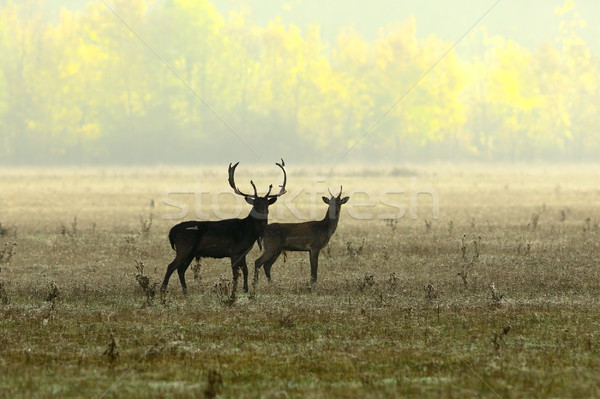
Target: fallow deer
{"x": 230, "y": 238}
{"x": 310, "y": 237}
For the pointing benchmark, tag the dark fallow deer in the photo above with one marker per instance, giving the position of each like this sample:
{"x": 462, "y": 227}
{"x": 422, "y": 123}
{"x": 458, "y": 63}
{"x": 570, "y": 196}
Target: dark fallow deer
{"x": 230, "y": 238}
{"x": 311, "y": 237}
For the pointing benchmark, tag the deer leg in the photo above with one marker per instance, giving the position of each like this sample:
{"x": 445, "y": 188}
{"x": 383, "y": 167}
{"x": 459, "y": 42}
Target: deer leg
{"x": 257, "y": 264}
{"x": 314, "y": 265}
{"x": 268, "y": 265}
{"x": 181, "y": 272}
{"x": 244, "y": 268}
{"x": 235, "y": 268}
{"x": 266, "y": 259}
{"x": 179, "y": 259}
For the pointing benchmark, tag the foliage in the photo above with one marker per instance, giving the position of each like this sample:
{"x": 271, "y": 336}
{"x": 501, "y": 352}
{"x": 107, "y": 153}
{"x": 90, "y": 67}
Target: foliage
{"x": 147, "y": 81}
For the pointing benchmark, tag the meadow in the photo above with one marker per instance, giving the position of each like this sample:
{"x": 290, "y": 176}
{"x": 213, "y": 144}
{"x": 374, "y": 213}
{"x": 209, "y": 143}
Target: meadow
{"x": 496, "y": 297}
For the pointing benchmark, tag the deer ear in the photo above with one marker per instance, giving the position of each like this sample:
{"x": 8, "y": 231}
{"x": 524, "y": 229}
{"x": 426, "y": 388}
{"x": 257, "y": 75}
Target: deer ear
{"x": 272, "y": 200}
{"x": 249, "y": 200}
{"x": 325, "y": 200}
{"x": 344, "y": 200}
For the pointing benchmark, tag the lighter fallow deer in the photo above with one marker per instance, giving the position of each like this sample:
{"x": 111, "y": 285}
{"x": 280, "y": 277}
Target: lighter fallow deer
{"x": 310, "y": 237}
{"x": 229, "y": 238}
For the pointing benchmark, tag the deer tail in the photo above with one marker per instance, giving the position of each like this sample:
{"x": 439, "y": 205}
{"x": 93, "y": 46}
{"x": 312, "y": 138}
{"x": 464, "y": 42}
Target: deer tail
{"x": 172, "y": 238}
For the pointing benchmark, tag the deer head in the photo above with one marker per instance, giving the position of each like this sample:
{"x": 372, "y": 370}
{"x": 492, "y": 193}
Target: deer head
{"x": 335, "y": 204}
{"x": 260, "y": 204}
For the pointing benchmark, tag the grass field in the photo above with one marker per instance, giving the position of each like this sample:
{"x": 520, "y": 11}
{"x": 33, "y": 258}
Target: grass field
{"x": 497, "y": 298}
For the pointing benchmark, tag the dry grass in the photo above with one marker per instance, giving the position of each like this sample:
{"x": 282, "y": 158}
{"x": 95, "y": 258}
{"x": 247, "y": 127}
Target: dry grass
{"x": 497, "y": 298}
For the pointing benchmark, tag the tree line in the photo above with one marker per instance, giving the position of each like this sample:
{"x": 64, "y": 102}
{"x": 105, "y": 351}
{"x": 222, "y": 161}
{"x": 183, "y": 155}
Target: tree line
{"x": 174, "y": 81}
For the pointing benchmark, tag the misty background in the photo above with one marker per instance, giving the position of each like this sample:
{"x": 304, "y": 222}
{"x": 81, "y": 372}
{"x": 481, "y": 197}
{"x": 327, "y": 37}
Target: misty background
{"x": 180, "y": 81}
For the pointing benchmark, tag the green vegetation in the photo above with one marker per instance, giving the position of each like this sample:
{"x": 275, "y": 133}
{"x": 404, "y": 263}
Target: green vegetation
{"x": 497, "y": 298}
{"x": 126, "y": 84}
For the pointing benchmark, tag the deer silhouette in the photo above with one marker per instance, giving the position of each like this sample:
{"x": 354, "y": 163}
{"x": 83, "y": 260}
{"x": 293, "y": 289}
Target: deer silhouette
{"x": 310, "y": 237}
{"x": 229, "y": 238}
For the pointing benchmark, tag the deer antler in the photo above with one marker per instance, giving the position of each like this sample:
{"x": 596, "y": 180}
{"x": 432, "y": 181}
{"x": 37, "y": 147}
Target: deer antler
{"x": 340, "y": 194}
{"x": 282, "y": 190}
{"x": 231, "y": 179}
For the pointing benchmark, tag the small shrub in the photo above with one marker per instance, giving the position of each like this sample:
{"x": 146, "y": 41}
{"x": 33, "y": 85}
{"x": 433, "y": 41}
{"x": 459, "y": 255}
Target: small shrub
{"x": 428, "y": 225}
{"x": 354, "y": 252}
{"x": 8, "y": 252}
{"x": 496, "y": 296}
{"x": 112, "y": 352}
{"x": 391, "y": 223}
{"x": 535, "y": 219}
{"x": 366, "y": 282}
{"x": 3, "y": 230}
{"x": 145, "y": 283}
{"x": 53, "y": 294}
{"x": 214, "y": 384}
{"x": 430, "y": 292}
{"x": 4, "y": 299}
{"x": 499, "y": 338}
{"x": 464, "y": 275}
{"x": 196, "y": 270}
{"x": 69, "y": 232}
{"x": 145, "y": 225}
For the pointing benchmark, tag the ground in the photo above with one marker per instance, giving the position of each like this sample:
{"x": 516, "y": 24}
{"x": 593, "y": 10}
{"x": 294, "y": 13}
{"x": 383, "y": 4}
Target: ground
{"x": 497, "y": 296}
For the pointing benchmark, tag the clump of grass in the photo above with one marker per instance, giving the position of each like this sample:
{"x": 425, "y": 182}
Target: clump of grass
{"x": 468, "y": 262}
{"x": 145, "y": 282}
{"x": 287, "y": 321}
{"x": 53, "y": 293}
{"x": 524, "y": 249}
{"x": 222, "y": 287}
{"x": 131, "y": 238}
{"x": 393, "y": 281}
{"x": 463, "y": 247}
{"x": 590, "y": 226}
{"x": 70, "y": 232}
{"x": 430, "y": 292}
{"x": 196, "y": 270}
{"x": 145, "y": 224}
{"x": 391, "y": 223}
{"x": 476, "y": 248}
{"x": 535, "y": 219}
{"x": 464, "y": 274}
{"x": 214, "y": 384}
{"x": 225, "y": 291}
{"x": 354, "y": 252}
{"x": 562, "y": 215}
{"x": 366, "y": 282}
{"x": 495, "y": 295}
{"x": 3, "y": 230}
{"x": 5, "y": 256}
{"x": 3, "y": 294}
{"x": 498, "y": 339}
{"x": 112, "y": 352}
{"x": 428, "y": 225}
{"x": 8, "y": 252}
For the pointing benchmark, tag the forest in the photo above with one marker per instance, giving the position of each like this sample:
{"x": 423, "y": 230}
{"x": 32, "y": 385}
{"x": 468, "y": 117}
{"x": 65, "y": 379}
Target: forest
{"x": 176, "y": 82}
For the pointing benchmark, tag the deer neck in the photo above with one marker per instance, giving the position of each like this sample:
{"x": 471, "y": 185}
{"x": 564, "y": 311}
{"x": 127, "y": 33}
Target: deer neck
{"x": 258, "y": 223}
{"x": 330, "y": 221}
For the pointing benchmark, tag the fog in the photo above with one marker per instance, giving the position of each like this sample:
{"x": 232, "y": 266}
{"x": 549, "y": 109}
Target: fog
{"x": 143, "y": 82}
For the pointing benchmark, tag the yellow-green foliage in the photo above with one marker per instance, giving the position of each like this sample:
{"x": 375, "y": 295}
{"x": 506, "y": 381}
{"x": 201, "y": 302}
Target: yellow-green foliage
{"x": 496, "y": 298}
{"x": 143, "y": 81}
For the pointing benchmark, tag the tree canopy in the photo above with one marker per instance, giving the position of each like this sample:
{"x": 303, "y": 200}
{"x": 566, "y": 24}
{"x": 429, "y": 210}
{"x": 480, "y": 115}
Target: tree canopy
{"x": 174, "y": 81}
